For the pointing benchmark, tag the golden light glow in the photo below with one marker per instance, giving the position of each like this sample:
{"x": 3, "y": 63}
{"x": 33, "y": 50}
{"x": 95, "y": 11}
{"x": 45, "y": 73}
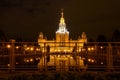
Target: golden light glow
{"x": 68, "y": 50}
{"x": 62, "y": 44}
{"x": 27, "y": 48}
{"x": 62, "y": 21}
{"x": 101, "y": 62}
{"x": 101, "y": 47}
{"x": 31, "y": 60}
{"x": 17, "y": 47}
{"x": 37, "y": 49}
{"x": 8, "y": 46}
{"x": 92, "y": 48}
{"x": 62, "y": 35}
{"x": 27, "y": 60}
{"x": 58, "y": 50}
{"x": 58, "y": 55}
{"x": 92, "y": 60}
{"x": 8, "y": 65}
{"x": 89, "y": 60}
{"x": 79, "y": 50}
{"x": 89, "y": 49}
{"x": 31, "y": 48}
{"x": 71, "y": 57}
{"x": 37, "y": 58}
{"x": 55, "y": 50}
{"x": 65, "y": 50}
{"x": 16, "y": 62}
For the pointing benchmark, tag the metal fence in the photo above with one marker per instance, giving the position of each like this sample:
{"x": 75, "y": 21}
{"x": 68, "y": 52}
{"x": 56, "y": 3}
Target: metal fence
{"x": 97, "y": 56}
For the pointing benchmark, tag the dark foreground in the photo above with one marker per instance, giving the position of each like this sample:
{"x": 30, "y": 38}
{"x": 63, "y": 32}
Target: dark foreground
{"x": 60, "y": 76}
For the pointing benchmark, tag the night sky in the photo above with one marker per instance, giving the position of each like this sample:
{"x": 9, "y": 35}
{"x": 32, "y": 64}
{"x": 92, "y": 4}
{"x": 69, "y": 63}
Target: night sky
{"x": 27, "y": 18}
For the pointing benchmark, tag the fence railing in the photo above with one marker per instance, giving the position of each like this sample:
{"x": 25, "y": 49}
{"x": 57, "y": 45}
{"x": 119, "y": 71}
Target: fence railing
{"x": 96, "y": 56}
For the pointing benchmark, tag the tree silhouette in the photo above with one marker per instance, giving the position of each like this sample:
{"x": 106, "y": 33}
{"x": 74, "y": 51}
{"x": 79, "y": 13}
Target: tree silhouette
{"x": 102, "y": 43}
{"x": 101, "y": 38}
{"x": 2, "y": 36}
{"x": 19, "y": 39}
{"x": 116, "y": 36}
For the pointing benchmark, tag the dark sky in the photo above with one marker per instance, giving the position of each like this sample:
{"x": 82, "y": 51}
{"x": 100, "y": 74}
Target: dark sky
{"x": 27, "y": 18}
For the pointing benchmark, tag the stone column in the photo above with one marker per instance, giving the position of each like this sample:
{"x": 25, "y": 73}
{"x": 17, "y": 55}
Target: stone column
{"x": 12, "y": 56}
{"x": 109, "y": 58}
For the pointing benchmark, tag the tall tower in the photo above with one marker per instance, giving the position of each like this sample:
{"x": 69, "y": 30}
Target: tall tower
{"x": 62, "y": 35}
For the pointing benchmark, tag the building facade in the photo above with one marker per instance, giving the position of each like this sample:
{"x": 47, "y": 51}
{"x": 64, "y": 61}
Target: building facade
{"x": 63, "y": 47}
{"x": 62, "y": 42}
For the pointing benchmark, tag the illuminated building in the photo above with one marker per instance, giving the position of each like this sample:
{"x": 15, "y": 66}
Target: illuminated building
{"x": 62, "y": 44}
{"x": 62, "y": 41}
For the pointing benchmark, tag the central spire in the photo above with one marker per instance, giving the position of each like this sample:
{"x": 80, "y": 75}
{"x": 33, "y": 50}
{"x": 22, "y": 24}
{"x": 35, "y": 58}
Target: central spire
{"x": 62, "y": 20}
{"x": 62, "y": 13}
{"x": 62, "y": 25}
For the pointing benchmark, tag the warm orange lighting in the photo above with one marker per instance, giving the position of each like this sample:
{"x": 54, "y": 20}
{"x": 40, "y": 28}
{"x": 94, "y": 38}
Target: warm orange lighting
{"x": 27, "y": 48}
{"x": 101, "y": 62}
{"x": 17, "y": 47}
{"x": 37, "y": 49}
{"x": 16, "y": 62}
{"x": 58, "y": 55}
{"x": 92, "y": 60}
{"x": 68, "y": 50}
{"x": 101, "y": 47}
{"x": 89, "y": 60}
{"x": 55, "y": 50}
{"x": 27, "y": 60}
{"x": 89, "y": 49}
{"x": 31, "y": 60}
{"x": 31, "y": 48}
{"x": 71, "y": 57}
{"x": 65, "y": 50}
{"x": 8, "y": 46}
{"x": 92, "y": 48}
{"x": 8, "y": 65}
{"x": 58, "y": 50}
{"x": 37, "y": 58}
